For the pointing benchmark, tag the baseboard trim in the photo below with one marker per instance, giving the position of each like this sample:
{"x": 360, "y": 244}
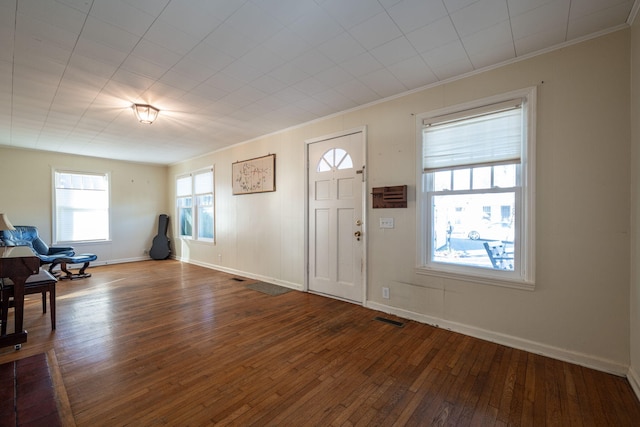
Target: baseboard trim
{"x": 634, "y": 381}
{"x": 577, "y": 358}
{"x": 272, "y": 280}
{"x": 113, "y": 261}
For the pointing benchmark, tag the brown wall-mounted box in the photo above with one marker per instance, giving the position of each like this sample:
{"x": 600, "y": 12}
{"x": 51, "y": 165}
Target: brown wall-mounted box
{"x": 390, "y": 197}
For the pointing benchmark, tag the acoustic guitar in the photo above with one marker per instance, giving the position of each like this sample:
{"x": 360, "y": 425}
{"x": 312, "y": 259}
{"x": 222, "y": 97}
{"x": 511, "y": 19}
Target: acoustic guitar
{"x": 161, "y": 248}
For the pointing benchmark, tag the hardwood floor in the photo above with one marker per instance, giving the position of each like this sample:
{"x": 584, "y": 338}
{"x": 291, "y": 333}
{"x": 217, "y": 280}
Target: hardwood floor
{"x": 166, "y": 343}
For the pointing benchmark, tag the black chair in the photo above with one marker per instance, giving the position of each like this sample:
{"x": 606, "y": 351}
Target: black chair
{"x": 40, "y": 283}
{"x": 27, "y": 235}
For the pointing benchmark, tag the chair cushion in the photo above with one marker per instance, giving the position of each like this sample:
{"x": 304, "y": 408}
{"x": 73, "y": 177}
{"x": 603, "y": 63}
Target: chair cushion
{"x": 27, "y": 235}
{"x": 43, "y": 276}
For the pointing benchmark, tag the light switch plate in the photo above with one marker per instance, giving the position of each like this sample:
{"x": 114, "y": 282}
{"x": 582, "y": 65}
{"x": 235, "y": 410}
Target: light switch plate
{"x": 386, "y": 223}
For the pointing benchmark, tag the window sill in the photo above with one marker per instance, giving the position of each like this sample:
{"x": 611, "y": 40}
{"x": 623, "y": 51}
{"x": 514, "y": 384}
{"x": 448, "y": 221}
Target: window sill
{"x": 192, "y": 240}
{"x": 484, "y": 279}
{"x": 83, "y": 243}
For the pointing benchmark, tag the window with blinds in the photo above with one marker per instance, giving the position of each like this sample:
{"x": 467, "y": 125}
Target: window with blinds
{"x": 476, "y": 189}
{"x": 81, "y": 206}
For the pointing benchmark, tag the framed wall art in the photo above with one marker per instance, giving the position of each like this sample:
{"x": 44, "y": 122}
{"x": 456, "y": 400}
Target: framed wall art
{"x": 254, "y": 175}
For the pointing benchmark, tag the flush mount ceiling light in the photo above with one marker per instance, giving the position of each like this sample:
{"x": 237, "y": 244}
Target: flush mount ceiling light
{"x": 145, "y": 113}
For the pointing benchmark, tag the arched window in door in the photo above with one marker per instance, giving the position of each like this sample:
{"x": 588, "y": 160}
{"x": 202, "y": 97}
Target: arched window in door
{"x": 335, "y": 159}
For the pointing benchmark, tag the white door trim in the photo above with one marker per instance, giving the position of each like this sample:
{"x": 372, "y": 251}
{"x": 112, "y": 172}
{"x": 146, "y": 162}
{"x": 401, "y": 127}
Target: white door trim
{"x": 365, "y": 227}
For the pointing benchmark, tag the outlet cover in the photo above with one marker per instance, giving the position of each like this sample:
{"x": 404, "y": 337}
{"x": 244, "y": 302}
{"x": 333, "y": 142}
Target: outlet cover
{"x": 385, "y": 293}
{"x": 386, "y": 223}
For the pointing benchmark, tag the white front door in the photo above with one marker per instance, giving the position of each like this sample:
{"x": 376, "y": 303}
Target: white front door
{"x": 336, "y": 225}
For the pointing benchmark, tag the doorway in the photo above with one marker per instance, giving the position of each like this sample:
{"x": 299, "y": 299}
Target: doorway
{"x": 336, "y": 225}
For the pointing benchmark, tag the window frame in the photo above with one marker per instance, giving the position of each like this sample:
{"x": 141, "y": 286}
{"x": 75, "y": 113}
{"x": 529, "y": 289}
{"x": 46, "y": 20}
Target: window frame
{"x": 523, "y": 277}
{"x": 54, "y": 227}
{"x": 195, "y": 206}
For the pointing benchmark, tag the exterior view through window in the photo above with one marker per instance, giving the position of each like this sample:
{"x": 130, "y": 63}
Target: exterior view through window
{"x": 194, "y": 204}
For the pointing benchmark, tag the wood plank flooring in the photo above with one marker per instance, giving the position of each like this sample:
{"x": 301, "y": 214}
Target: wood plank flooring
{"x": 164, "y": 343}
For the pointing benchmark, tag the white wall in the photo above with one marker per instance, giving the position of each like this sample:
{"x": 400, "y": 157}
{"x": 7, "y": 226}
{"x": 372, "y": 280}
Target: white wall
{"x": 634, "y": 336}
{"x": 579, "y": 310}
{"x": 138, "y": 196}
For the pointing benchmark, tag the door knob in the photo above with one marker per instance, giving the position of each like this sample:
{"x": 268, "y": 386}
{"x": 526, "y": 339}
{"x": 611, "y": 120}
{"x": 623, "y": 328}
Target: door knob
{"x": 357, "y": 234}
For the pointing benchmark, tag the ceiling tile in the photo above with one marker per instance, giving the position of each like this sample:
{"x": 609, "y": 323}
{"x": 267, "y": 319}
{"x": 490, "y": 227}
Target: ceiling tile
{"x": 448, "y": 60}
{"x": 229, "y": 40}
{"x": 268, "y": 84}
{"x": 316, "y": 27}
{"x": 455, "y": 5}
{"x": 335, "y": 100}
{"x": 362, "y": 64}
{"x": 433, "y": 35}
{"x": 261, "y": 59}
{"x": 539, "y": 41}
{"x": 312, "y": 62}
{"x": 311, "y": 86}
{"x": 170, "y": 37}
{"x": 479, "y": 16}
{"x": 191, "y": 17}
{"x": 141, "y": 66}
{"x": 287, "y": 44}
{"x": 242, "y": 71}
{"x": 596, "y": 21}
{"x": 123, "y": 15}
{"x": 549, "y": 17}
{"x": 490, "y": 45}
{"x": 54, "y": 13}
{"x": 253, "y": 22}
{"x": 210, "y": 57}
{"x": 156, "y": 54}
{"x": 383, "y": 82}
{"x": 180, "y": 81}
{"x": 333, "y": 76}
{"x": 358, "y": 92}
{"x": 225, "y": 81}
{"x": 413, "y": 72}
{"x": 46, "y": 33}
{"x": 99, "y": 52}
{"x": 107, "y": 34}
{"x": 341, "y": 48}
{"x": 353, "y": 12}
{"x": 289, "y": 74}
{"x": 286, "y": 11}
{"x": 410, "y": 15}
{"x": 376, "y": 31}
{"x": 394, "y": 51}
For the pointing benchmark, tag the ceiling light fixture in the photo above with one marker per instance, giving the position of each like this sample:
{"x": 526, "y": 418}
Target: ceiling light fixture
{"x": 145, "y": 113}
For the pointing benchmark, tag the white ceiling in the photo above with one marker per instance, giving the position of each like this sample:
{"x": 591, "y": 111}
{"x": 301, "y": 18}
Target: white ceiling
{"x": 226, "y": 71}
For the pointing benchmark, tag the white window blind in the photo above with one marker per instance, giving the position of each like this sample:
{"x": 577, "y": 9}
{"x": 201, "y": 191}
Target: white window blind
{"x": 184, "y": 186}
{"x": 488, "y": 136}
{"x": 204, "y": 182}
{"x": 82, "y": 206}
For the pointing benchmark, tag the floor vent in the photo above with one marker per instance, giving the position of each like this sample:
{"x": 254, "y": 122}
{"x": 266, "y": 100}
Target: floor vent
{"x": 237, "y": 279}
{"x": 389, "y": 321}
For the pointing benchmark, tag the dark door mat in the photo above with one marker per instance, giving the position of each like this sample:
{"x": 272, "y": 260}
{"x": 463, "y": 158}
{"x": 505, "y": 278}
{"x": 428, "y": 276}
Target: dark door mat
{"x": 27, "y": 394}
{"x": 268, "y": 288}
